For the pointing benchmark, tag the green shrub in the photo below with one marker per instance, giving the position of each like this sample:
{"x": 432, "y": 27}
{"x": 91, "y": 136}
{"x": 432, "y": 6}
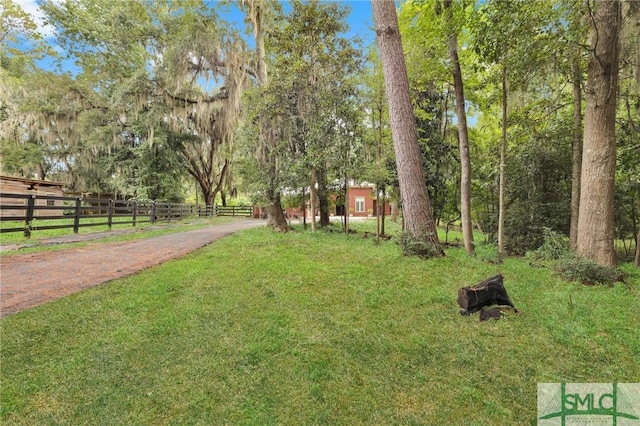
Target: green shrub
{"x": 575, "y": 268}
{"x": 555, "y": 246}
{"x": 571, "y": 267}
{"x": 419, "y": 245}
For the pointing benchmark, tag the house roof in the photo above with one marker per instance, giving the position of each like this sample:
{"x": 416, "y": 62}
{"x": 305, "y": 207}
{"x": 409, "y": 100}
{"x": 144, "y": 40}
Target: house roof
{"x": 31, "y": 182}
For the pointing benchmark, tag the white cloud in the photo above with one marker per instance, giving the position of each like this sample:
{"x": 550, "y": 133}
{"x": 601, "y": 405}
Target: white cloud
{"x": 33, "y": 9}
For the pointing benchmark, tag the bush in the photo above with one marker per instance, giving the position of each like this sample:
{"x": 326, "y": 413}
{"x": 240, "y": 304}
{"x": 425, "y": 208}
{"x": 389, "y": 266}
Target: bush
{"x": 571, "y": 267}
{"x": 554, "y": 246}
{"x": 575, "y": 268}
{"x": 420, "y": 245}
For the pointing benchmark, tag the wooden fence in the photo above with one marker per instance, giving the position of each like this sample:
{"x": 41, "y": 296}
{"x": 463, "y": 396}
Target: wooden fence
{"x": 234, "y": 211}
{"x": 83, "y": 212}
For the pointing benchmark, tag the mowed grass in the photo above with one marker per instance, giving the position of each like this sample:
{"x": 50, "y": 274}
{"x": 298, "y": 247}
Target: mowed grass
{"x": 306, "y": 328}
{"x": 38, "y": 240}
{"x": 100, "y": 226}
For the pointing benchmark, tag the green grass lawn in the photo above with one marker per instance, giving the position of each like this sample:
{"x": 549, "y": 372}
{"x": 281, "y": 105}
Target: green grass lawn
{"x": 308, "y": 328}
{"x": 90, "y": 225}
{"x": 117, "y": 233}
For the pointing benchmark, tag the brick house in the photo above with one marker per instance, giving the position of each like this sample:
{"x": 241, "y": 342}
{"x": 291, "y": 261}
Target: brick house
{"x": 362, "y": 201}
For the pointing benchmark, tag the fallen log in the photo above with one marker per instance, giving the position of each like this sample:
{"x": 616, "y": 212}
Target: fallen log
{"x": 486, "y": 293}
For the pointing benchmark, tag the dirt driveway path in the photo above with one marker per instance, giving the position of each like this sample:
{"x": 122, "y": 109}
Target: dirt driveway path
{"x": 28, "y": 280}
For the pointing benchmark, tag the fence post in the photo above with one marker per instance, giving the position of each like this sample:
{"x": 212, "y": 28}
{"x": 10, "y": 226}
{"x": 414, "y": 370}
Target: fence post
{"x": 153, "y": 213}
{"x": 31, "y": 206}
{"x": 134, "y": 213}
{"x": 169, "y": 212}
{"x": 76, "y": 215}
{"x": 110, "y": 214}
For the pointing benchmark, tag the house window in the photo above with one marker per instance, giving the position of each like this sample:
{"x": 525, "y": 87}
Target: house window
{"x": 359, "y": 204}
{"x": 51, "y": 203}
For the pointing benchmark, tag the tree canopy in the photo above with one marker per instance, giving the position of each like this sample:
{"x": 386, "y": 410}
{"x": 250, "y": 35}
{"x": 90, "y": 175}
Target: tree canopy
{"x": 165, "y": 97}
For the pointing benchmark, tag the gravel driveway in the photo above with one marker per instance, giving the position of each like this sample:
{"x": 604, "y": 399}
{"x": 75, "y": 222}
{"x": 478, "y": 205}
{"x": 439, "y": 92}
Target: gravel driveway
{"x": 28, "y": 280}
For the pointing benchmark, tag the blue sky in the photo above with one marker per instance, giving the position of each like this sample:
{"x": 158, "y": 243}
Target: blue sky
{"x": 360, "y": 22}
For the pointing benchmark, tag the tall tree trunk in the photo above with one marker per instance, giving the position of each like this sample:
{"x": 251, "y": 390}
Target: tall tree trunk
{"x": 312, "y": 199}
{"x": 40, "y": 174}
{"x": 596, "y": 221}
{"x": 576, "y": 154}
{"x": 394, "y": 202}
{"x": 463, "y": 136}
{"x": 209, "y": 185}
{"x": 345, "y": 207}
{"x": 379, "y": 185}
{"x": 377, "y": 210}
{"x": 418, "y": 219}
{"x": 303, "y": 208}
{"x": 209, "y": 198}
{"x": 276, "y": 216}
{"x": 384, "y": 213}
{"x": 323, "y": 196}
{"x": 635, "y": 228}
{"x": 503, "y": 155}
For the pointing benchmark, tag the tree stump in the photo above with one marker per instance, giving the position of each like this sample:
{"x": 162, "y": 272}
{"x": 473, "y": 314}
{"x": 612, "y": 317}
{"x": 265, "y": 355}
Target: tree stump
{"x": 487, "y": 293}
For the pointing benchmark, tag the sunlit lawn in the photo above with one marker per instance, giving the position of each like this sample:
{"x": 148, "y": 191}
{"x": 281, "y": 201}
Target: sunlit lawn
{"x": 117, "y": 231}
{"x": 302, "y": 328}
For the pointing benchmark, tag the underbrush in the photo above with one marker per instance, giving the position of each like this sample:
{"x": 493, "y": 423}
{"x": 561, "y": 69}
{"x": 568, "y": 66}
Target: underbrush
{"x": 569, "y": 265}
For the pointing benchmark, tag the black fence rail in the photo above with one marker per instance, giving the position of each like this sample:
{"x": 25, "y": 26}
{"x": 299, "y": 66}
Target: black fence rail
{"x": 76, "y": 213}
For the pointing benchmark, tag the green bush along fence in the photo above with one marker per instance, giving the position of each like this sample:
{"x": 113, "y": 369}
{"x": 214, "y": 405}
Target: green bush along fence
{"x": 75, "y": 213}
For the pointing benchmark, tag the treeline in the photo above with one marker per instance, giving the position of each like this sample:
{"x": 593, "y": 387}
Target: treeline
{"x": 168, "y": 96}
